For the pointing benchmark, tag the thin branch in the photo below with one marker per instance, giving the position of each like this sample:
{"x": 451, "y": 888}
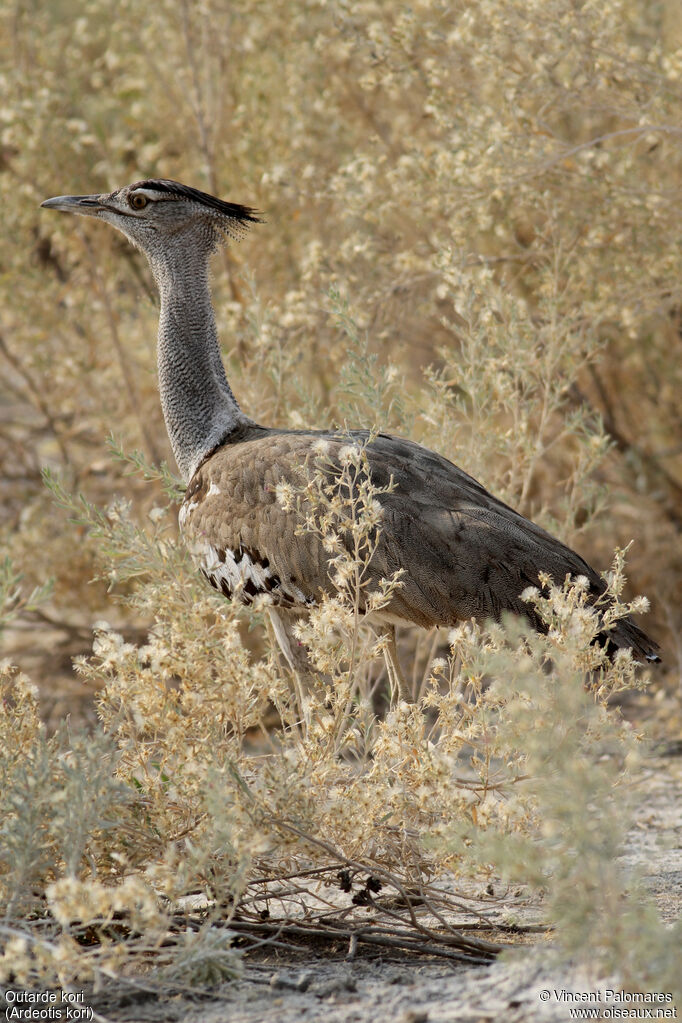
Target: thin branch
{"x": 390, "y": 878}
{"x": 122, "y": 356}
{"x": 36, "y": 395}
{"x": 361, "y": 935}
{"x": 641, "y": 129}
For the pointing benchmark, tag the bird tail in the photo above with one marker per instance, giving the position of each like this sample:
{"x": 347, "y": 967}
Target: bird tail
{"x": 627, "y": 634}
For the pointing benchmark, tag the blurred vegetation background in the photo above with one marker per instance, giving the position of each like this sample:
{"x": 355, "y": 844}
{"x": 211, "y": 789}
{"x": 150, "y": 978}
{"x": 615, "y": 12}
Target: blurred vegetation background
{"x": 472, "y": 237}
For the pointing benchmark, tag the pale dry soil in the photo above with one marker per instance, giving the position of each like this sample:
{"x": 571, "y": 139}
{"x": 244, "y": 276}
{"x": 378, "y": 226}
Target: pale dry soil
{"x": 323, "y": 986}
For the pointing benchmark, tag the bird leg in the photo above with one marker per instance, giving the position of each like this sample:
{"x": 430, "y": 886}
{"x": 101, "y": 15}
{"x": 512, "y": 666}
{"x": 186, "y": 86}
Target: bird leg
{"x": 397, "y": 681}
{"x": 295, "y": 656}
{"x": 295, "y": 653}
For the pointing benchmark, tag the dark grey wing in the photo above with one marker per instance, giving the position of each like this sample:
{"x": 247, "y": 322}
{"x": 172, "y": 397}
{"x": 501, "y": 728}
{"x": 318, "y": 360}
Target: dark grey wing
{"x": 466, "y": 554}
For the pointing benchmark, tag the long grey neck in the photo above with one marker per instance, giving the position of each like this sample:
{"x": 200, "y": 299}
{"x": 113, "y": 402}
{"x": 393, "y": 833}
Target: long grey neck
{"x": 198, "y": 404}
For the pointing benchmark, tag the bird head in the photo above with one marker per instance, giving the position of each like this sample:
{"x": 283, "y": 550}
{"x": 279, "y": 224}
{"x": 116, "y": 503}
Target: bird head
{"x": 156, "y": 212}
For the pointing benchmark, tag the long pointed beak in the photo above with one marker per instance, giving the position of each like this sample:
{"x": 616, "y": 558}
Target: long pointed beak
{"x": 87, "y": 205}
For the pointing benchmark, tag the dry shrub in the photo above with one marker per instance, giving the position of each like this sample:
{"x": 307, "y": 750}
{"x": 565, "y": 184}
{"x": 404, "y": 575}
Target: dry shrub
{"x": 187, "y": 792}
{"x": 469, "y": 241}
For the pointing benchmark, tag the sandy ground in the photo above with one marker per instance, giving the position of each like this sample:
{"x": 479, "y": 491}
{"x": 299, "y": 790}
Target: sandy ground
{"x": 327, "y": 988}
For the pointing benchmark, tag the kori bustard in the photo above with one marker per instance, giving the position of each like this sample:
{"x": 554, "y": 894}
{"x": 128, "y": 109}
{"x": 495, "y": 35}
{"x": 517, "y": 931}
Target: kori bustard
{"x": 464, "y": 554}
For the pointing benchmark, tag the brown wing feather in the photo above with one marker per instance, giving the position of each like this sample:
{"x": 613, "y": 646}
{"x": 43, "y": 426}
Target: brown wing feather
{"x": 236, "y": 507}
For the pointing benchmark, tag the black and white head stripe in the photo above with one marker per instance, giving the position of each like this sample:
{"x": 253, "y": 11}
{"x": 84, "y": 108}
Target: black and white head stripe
{"x": 176, "y": 190}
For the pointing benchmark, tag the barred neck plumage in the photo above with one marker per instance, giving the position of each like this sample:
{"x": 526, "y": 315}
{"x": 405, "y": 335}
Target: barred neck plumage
{"x": 198, "y": 404}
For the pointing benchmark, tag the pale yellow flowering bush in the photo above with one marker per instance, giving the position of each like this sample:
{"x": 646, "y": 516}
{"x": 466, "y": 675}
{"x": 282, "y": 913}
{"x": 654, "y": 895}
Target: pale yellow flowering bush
{"x": 186, "y": 791}
{"x": 471, "y": 240}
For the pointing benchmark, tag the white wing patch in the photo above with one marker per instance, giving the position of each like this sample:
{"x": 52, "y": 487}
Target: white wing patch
{"x": 223, "y": 574}
{"x": 240, "y": 573}
{"x": 185, "y": 512}
{"x": 232, "y": 571}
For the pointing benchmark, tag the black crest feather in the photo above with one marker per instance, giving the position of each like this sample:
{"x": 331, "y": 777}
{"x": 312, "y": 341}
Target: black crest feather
{"x": 233, "y": 210}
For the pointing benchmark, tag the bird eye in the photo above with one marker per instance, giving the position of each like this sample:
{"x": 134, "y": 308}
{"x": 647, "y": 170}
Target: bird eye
{"x": 137, "y": 201}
